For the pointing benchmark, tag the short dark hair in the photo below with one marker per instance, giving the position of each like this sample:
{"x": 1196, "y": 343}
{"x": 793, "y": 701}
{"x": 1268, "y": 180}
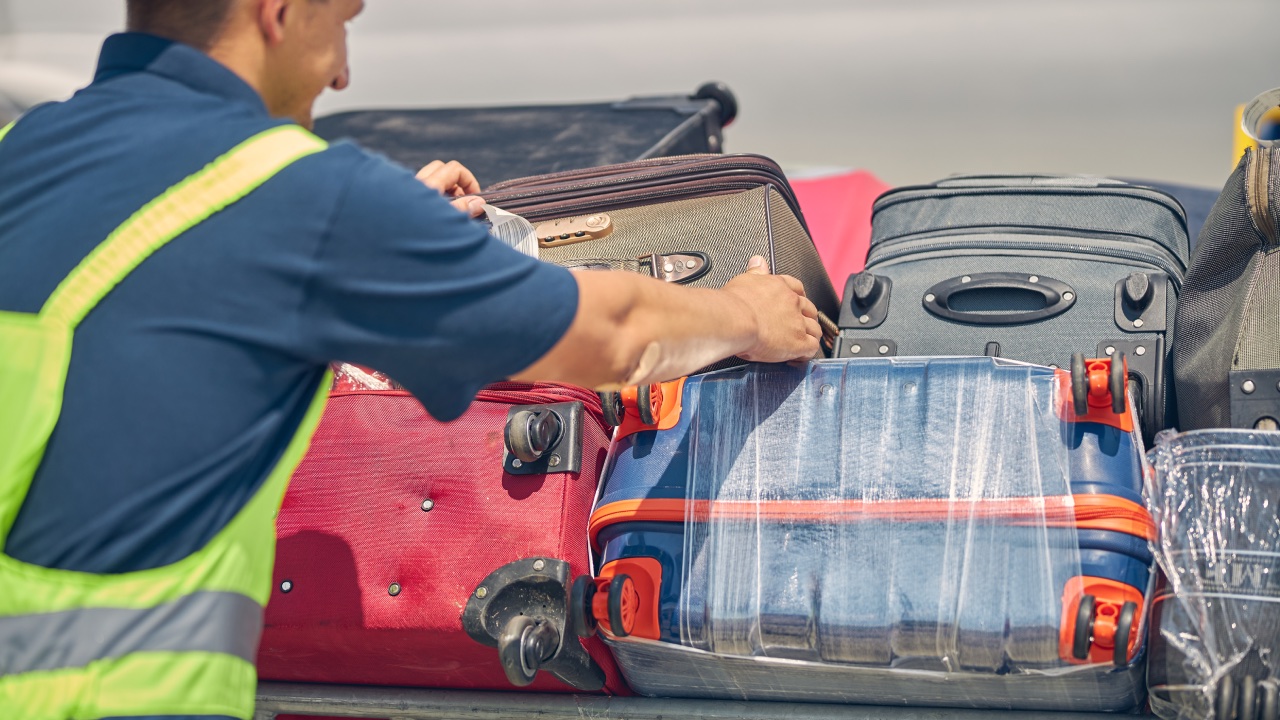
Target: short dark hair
{"x": 194, "y": 22}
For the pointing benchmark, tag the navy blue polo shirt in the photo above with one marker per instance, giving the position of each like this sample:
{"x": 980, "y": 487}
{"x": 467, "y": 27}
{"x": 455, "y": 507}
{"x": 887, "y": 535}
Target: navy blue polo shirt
{"x": 189, "y": 379}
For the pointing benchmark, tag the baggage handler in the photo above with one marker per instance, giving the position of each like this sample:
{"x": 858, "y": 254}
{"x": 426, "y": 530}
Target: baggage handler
{"x": 168, "y": 308}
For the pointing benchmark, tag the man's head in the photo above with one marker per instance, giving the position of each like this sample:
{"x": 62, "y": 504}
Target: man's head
{"x": 288, "y": 50}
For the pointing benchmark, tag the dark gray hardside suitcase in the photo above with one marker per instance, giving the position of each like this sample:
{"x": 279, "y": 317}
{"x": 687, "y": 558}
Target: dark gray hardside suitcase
{"x": 501, "y": 143}
{"x": 1032, "y": 268}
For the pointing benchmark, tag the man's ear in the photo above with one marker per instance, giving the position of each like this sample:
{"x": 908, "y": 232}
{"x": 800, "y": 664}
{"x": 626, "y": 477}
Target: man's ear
{"x": 271, "y": 18}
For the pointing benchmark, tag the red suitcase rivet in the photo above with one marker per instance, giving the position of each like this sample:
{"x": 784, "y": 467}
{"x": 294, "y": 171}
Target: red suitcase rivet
{"x": 394, "y": 589}
{"x": 286, "y": 586}
{"x": 427, "y": 505}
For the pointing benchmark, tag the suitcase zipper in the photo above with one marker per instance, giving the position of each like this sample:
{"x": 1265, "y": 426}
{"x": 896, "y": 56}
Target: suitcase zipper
{"x": 596, "y": 178}
{"x": 1259, "y": 174}
{"x": 917, "y": 192}
{"x": 1165, "y": 261}
{"x": 603, "y": 204}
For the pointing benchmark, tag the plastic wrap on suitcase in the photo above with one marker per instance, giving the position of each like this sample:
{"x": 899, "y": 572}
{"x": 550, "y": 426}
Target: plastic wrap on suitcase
{"x": 1216, "y": 615}
{"x": 916, "y": 531}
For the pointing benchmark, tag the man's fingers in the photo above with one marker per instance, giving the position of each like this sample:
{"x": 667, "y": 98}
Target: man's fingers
{"x": 450, "y": 179}
{"x": 757, "y": 266}
{"x": 472, "y": 205}
{"x": 812, "y": 327}
{"x": 428, "y": 169}
{"x": 808, "y": 309}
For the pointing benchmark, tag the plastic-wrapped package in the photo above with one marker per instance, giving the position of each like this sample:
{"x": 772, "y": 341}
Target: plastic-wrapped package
{"x": 349, "y": 378}
{"x": 1215, "y": 644}
{"x": 921, "y": 531}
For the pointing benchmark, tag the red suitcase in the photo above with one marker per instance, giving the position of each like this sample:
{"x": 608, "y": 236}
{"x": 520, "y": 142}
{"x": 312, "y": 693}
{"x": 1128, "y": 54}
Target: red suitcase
{"x": 393, "y": 522}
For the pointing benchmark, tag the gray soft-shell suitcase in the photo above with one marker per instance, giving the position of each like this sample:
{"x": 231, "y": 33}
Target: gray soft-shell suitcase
{"x": 1033, "y": 268}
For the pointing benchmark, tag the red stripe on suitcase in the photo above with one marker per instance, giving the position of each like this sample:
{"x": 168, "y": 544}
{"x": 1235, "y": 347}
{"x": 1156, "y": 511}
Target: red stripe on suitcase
{"x": 1087, "y": 512}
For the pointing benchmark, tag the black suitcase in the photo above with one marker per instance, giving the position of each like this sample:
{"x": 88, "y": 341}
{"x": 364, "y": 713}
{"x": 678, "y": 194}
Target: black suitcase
{"x": 1228, "y": 348}
{"x": 502, "y": 143}
{"x": 1032, "y": 268}
{"x": 1215, "y": 622}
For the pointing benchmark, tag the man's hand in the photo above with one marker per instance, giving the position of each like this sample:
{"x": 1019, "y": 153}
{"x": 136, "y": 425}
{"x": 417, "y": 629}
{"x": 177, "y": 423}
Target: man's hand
{"x": 786, "y": 321}
{"x": 631, "y": 329}
{"x": 453, "y": 180}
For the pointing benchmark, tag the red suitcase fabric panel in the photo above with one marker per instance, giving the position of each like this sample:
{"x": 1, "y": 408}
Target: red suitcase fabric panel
{"x": 376, "y": 584}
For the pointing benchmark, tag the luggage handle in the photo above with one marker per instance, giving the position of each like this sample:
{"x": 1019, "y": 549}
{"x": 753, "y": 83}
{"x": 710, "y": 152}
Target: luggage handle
{"x": 1013, "y": 181}
{"x": 1058, "y": 297}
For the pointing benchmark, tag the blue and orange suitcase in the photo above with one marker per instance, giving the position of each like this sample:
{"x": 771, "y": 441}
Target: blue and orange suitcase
{"x": 923, "y": 531}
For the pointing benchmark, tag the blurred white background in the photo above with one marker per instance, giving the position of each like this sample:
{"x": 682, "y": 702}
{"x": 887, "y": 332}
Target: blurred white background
{"x": 912, "y": 90}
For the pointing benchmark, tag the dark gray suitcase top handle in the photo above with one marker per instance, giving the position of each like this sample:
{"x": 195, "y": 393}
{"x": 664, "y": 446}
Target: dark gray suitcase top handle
{"x": 1081, "y": 181}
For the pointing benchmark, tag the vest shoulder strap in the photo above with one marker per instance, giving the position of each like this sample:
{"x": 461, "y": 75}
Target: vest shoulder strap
{"x": 220, "y": 183}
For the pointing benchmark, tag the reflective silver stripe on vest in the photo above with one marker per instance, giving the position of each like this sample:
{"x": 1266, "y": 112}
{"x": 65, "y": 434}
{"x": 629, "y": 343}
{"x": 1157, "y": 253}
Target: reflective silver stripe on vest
{"x": 217, "y": 622}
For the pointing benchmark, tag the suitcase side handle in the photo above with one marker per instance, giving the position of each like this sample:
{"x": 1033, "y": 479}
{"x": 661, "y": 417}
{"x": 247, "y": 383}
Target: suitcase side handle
{"x": 1009, "y": 298}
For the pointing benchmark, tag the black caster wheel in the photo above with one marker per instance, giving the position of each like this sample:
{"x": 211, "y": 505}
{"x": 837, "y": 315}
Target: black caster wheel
{"x": 617, "y": 594}
{"x": 1084, "y": 628}
{"x": 1124, "y": 626}
{"x": 1248, "y": 702}
{"x": 1225, "y": 707}
{"x": 529, "y": 434}
{"x": 1269, "y": 704}
{"x": 644, "y": 405}
{"x": 1117, "y": 383}
{"x": 525, "y": 644}
{"x": 611, "y": 404}
{"x": 721, "y": 93}
{"x": 581, "y": 596}
{"x": 1079, "y": 384}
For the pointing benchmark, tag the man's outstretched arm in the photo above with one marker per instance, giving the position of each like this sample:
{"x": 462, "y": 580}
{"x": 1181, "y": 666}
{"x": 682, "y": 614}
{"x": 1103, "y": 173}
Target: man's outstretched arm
{"x": 630, "y": 329}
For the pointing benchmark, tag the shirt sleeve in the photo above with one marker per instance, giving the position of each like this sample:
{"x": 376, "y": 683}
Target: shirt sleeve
{"x": 408, "y": 285}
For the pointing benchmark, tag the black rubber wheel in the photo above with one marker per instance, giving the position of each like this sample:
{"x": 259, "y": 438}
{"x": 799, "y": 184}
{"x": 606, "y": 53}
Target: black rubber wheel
{"x": 511, "y": 651}
{"x": 1248, "y": 702}
{"x": 1117, "y": 384}
{"x": 1269, "y": 707}
{"x": 721, "y": 93}
{"x": 1124, "y": 626}
{"x": 1225, "y": 707}
{"x": 519, "y": 440}
{"x": 616, "y": 589}
{"x": 611, "y": 404}
{"x": 581, "y": 594}
{"x": 644, "y": 404}
{"x": 1079, "y": 384}
{"x": 1084, "y": 628}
